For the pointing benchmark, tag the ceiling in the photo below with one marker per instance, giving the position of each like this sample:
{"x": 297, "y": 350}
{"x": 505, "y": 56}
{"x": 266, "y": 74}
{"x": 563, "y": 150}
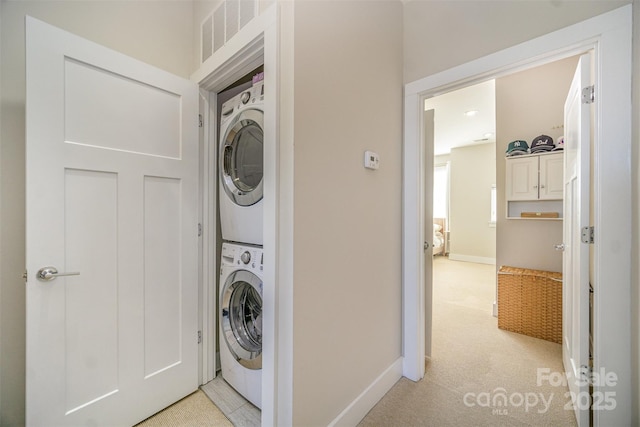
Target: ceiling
{"x": 453, "y": 128}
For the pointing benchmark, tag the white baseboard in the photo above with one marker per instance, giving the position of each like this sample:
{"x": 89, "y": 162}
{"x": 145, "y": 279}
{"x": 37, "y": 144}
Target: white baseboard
{"x": 357, "y": 409}
{"x": 471, "y": 258}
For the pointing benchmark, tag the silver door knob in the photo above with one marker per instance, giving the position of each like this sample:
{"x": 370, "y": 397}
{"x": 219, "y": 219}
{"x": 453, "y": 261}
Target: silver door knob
{"x": 49, "y": 273}
{"x": 426, "y": 245}
{"x": 559, "y": 247}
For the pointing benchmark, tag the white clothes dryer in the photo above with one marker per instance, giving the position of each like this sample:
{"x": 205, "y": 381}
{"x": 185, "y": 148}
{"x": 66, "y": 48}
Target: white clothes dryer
{"x": 241, "y": 319}
{"x": 241, "y": 166}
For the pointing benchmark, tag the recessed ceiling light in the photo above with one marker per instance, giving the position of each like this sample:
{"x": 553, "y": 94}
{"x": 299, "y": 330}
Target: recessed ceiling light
{"x": 471, "y": 113}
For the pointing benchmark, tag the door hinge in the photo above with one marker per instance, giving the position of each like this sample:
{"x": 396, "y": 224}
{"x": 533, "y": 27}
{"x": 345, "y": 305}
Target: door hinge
{"x": 588, "y": 95}
{"x": 200, "y": 121}
{"x": 586, "y": 373}
{"x": 199, "y": 229}
{"x": 25, "y": 275}
{"x": 199, "y": 337}
{"x": 587, "y": 235}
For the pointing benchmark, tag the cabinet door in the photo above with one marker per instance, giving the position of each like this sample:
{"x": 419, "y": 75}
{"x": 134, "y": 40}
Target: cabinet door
{"x": 522, "y": 178}
{"x": 551, "y": 171}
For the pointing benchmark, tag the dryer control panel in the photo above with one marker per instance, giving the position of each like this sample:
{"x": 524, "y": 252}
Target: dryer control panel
{"x": 246, "y": 99}
{"x": 247, "y": 257}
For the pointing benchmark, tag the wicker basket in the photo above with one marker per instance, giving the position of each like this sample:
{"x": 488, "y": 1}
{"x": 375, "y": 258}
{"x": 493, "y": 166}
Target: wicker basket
{"x": 530, "y": 302}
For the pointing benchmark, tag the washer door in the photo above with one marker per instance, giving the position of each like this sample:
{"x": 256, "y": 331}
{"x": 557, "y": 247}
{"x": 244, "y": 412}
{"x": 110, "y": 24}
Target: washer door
{"x": 241, "y": 155}
{"x": 241, "y": 317}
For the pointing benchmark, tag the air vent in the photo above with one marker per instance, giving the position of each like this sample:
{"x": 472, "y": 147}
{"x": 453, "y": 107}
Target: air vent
{"x": 247, "y": 11}
{"x": 207, "y": 38}
{"x": 224, "y": 23}
{"x": 233, "y": 18}
{"x": 218, "y": 28}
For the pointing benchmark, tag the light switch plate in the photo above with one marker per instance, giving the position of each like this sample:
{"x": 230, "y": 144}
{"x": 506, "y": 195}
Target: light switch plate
{"x": 371, "y": 160}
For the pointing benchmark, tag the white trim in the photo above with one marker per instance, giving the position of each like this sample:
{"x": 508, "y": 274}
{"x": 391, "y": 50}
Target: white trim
{"x": 279, "y": 228}
{"x": 362, "y": 404}
{"x": 255, "y": 44}
{"x": 612, "y": 249}
{"x": 609, "y": 35}
{"x": 472, "y": 258}
{"x": 207, "y": 242}
{"x": 413, "y": 300}
{"x": 277, "y": 354}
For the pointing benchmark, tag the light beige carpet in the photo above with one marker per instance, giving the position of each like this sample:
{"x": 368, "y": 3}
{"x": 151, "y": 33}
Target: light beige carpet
{"x": 474, "y": 363}
{"x": 194, "y": 410}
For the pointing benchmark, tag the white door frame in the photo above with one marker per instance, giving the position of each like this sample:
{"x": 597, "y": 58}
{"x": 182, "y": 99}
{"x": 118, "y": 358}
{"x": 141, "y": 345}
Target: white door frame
{"x": 609, "y": 35}
{"x": 255, "y": 44}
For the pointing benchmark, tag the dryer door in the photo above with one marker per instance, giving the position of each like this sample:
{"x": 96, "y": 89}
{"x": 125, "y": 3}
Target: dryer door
{"x": 241, "y": 158}
{"x": 241, "y": 317}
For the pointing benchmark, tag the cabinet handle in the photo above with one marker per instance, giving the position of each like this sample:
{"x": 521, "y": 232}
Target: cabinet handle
{"x": 542, "y": 186}
{"x": 535, "y": 186}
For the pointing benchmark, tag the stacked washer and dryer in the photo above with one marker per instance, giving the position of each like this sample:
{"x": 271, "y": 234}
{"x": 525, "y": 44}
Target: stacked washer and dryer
{"x": 241, "y": 265}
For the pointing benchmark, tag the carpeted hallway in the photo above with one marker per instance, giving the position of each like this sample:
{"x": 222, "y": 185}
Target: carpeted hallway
{"x": 478, "y": 375}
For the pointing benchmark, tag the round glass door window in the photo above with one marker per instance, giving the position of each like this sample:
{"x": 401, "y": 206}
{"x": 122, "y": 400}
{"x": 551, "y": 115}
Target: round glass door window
{"x": 241, "y": 311}
{"x": 241, "y": 158}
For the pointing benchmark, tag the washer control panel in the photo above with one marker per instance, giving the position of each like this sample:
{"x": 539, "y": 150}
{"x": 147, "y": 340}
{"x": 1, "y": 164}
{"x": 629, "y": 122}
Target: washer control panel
{"x": 246, "y": 257}
{"x": 245, "y": 99}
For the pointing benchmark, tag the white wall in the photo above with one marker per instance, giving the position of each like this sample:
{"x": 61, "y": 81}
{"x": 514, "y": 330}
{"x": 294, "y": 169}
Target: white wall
{"x": 441, "y": 159}
{"x": 347, "y": 224}
{"x": 156, "y": 32}
{"x": 440, "y": 34}
{"x": 473, "y": 172}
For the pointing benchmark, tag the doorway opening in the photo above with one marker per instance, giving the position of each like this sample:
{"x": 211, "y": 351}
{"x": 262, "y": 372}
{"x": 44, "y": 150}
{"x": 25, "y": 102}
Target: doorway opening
{"x": 609, "y": 35}
{"x": 481, "y": 226}
{"x": 242, "y": 55}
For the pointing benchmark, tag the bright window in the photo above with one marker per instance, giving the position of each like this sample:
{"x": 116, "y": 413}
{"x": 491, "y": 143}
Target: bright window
{"x": 494, "y": 206}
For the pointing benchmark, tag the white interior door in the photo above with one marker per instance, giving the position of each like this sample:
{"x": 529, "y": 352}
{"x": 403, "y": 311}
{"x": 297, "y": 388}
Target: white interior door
{"x": 112, "y": 164}
{"x": 575, "y": 310}
{"x": 429, "y": 129}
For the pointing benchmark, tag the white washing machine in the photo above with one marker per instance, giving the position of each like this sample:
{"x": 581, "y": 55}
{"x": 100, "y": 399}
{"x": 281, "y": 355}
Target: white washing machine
{"x": 241, "y": 319}
{"x": 241, "y": 166}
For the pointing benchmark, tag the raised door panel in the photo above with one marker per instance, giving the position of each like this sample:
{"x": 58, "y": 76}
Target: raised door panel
{"x": 551, "y": 175}
{"x": 112, "y": 195}
{"x": 522, "y": 178}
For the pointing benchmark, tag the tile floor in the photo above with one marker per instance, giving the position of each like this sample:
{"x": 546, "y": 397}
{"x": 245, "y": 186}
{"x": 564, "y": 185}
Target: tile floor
{"x": 235, "y": 407}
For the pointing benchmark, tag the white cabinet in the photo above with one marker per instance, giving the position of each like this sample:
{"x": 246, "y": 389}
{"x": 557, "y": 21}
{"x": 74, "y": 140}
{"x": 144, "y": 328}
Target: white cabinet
{"x": 550, "y": 177}
{"x": 534, "y": 185}
{"x": 522, "y": 178}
